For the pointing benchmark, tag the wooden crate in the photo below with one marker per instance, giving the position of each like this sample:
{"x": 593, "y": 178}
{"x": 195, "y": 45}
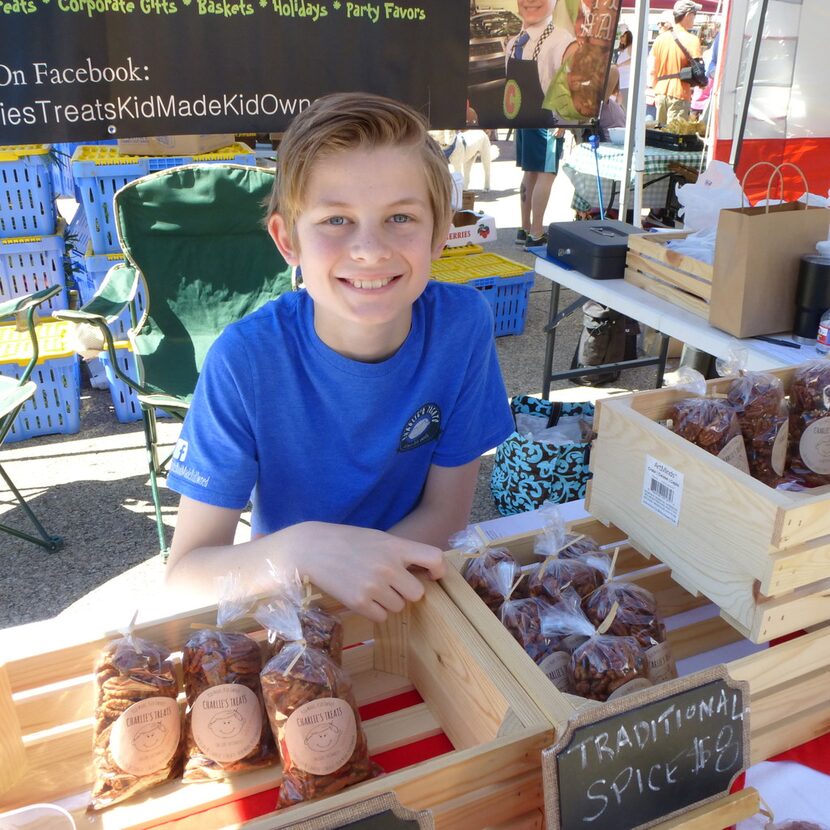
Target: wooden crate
{"x": 656, "y": 268}
{"x": 789, "y": 692}
{"x": 761, "y": 555}
{"x": 492, "y": 776}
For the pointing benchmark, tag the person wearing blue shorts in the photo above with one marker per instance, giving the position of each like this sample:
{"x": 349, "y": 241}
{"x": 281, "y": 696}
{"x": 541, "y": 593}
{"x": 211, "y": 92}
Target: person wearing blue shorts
{"x": 538, "y": 152}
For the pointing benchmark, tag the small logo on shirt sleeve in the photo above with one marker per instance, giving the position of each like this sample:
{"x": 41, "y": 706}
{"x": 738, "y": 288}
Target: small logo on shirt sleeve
{"x": 180, "y": 450}
{"x": 424, "y": 426}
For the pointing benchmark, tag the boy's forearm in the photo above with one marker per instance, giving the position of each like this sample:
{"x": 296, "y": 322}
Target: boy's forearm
{"x": 195, "y": 572}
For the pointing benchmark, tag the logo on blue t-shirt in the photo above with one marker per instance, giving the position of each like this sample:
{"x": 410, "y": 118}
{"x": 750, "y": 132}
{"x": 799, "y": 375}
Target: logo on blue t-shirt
{"x": 424, "y": 426}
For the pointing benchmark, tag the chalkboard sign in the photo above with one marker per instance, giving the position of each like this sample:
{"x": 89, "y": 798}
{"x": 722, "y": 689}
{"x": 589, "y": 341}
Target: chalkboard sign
{"x": 654, "y": 754}
{"x": 382, "y": 812}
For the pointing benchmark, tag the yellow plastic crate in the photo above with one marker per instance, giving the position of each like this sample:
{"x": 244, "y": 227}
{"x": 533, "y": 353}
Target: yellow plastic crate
{"x": 53, "y": 337}
{"x": 16, "y": 152}
{"x": 476, "y": 266}
{"x": 462, "y": 250}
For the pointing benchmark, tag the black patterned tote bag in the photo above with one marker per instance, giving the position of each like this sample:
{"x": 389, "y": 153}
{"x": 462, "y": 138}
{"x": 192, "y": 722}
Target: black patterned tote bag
{"x": 527, "y": 472}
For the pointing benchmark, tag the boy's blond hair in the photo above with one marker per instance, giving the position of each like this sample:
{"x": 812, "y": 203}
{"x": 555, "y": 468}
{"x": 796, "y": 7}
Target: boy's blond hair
{"x": 346, "y": 121}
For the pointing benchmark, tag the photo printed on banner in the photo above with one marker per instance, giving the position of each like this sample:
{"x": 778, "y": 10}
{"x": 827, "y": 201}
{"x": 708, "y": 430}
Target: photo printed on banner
{"x": 540, "y": 63}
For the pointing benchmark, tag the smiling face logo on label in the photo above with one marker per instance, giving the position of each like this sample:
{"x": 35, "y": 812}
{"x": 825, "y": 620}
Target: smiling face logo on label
{"x": 424, "y": 426}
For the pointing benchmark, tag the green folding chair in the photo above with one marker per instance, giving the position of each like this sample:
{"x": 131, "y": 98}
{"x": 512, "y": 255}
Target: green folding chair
{"x": 195, "y": 241}
{"x": 14, "y": 392}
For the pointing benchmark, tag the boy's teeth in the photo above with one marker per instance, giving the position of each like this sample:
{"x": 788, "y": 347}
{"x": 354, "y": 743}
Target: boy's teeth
{"x": 371, "y": 283}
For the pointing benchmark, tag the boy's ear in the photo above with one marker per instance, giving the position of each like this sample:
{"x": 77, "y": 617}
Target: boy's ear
{"x": 441, "y": 240}
{"x": 278, "y": 231}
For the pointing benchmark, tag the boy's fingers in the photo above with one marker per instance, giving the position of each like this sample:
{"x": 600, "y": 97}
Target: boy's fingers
{"x": 430, "y": 559}
{"x": 371, "y": 610}
{"x": 389, "y": 599}
{"x": 409, "y": 587}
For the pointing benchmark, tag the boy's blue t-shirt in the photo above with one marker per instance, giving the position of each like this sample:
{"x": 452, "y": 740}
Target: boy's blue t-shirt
{"x": 306, "y": 434}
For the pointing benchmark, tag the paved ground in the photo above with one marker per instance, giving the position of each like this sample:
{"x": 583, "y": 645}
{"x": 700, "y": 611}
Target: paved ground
{"x": 92, "y": 488}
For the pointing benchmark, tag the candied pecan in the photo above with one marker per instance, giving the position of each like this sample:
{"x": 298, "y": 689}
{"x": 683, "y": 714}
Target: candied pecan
{"x": 636, "y": 614}
{"x": 710, "y": 423}
{"x": 492, "y": 574}
{"x": 554, "y": 575}
{"x": 321, "y": 630}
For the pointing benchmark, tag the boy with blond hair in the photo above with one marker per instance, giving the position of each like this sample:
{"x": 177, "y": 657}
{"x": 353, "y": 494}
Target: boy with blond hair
{"x": 353, "y": 413}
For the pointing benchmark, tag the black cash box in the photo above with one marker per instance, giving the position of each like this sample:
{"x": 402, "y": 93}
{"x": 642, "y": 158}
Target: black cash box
{"x": 596, "y": 247}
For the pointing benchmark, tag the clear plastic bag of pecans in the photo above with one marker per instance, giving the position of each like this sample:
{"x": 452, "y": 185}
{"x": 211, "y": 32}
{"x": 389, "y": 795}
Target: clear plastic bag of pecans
{"x": 137, "y": 732}
{"x": 763, "y": 415}
{"x": 636, "y": 617}
{"x": 809, "y": 437}
{"x": 554, "y": 540}
{"x": 604, "y": 665}
{"x": 554, "y": 574}
{"x": 490, "y": 572}
{"x": 710, "y": 423}
{"x": 312, "y": 712}
{"x": 226, "y": 728}
{"x": 321, "y": 630}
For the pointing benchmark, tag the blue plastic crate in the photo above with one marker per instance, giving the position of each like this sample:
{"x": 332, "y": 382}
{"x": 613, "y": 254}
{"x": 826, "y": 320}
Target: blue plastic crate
{"x": 27, "y": 199}
{"x": 124, "y": 398}
{"x": 63, "y": 182}
{"x": 89, "y": 279}
{"x": 55, "y": 407}
{"x": 99, "y": 171}
{"x": 508, "y": 297}
{"x": 29, "y": 264}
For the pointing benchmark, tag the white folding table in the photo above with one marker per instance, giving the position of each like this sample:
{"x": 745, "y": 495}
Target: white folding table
{"x": 668, "y": 319}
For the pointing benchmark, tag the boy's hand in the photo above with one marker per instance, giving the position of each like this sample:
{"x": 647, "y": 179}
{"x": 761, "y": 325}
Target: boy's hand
{"x": 367, "y": 570}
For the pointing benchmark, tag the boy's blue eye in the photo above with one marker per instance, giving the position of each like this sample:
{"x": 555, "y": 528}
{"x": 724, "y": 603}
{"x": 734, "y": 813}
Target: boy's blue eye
{"x": 400, "y": 218}
{"x": 336, "y": 220}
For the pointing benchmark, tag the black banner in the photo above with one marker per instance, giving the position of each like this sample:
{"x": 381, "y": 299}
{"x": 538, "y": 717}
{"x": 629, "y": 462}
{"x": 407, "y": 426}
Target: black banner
{"x": 79, "y": 70}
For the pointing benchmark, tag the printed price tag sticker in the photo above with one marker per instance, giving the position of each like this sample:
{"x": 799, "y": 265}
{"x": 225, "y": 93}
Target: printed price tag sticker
{"x": 662, "y": 490}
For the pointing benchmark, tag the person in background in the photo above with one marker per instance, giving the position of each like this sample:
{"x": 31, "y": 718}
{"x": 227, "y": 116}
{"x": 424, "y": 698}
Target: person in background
{"x": 611, "y": 114}
{"x": 701, "y": 94}
{"x": 533, "y": 58}
{"x": 664, "y": 24}
{"x": 672, "y": 96}
{"x": 624, "y": 66}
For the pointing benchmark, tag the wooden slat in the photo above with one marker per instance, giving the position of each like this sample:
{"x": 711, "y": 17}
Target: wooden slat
{"x": 532, "y": 821}
{"x": 434, "y": 783}
{"x": 783, "y": 663}
{"x": 790, "y": 699}
{"x": 800, "y": 609}
{"x": 446, "y": 660}
{"x": 12, "y": 754}
{"x": 700, "y": 287}
{"x": 545, "y": 695}
{"x": 788, "y": 732}
{"x": 492, "y": 805}
{"x": 722, "y": 813}
{"x": 671, "y": 598}
{"x": 667, "y": 292}
{"x": 648, "y": 250}
{"x": 797, "y": 567}
{"x": 700, "y": 637}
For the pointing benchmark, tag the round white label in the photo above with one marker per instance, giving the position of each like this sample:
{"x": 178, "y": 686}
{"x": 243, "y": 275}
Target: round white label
{"x": 227, "y": 722}
{"x": 815, "y": 446}
{"x": 320, "y": 736}
{"x": 146, "y": 736}
{"x": 555, "y": 667}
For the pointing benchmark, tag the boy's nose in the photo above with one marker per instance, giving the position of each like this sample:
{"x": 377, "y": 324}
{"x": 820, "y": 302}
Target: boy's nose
{"x": 370, "y": 245}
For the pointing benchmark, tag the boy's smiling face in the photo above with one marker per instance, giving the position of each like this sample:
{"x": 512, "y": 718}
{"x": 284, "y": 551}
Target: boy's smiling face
{"x": 364, "y": 242}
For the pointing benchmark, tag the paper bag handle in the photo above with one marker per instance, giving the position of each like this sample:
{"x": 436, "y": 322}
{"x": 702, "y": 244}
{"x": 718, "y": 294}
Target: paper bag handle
{"x": 776, "y": 169}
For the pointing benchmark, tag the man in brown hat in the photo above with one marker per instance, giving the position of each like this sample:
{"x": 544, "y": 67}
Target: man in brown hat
{"x": 671, "y": 52}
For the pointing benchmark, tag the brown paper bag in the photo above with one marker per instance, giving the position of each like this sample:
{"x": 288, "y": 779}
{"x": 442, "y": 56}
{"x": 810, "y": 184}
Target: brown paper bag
{"x": 757, "y": 256}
